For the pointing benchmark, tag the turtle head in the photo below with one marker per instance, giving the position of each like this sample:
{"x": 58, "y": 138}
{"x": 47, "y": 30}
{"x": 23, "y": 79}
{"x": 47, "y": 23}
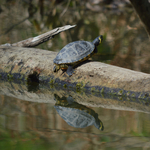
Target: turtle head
{"x": 98, "y": 40}
{"x": 98, "y": 124}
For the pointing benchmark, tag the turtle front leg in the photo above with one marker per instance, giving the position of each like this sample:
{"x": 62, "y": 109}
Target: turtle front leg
{"x": 70, "y": 70}
{"x": 56, "y": 68}
{"x": 95, "y": 50}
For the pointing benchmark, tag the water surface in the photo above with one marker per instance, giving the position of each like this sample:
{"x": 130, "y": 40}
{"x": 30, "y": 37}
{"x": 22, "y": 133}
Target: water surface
{"x": 48, "y": 118}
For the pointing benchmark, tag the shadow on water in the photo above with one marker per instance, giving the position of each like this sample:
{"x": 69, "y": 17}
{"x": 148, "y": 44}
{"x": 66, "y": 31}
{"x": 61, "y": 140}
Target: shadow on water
{"x": 55, "y": 117}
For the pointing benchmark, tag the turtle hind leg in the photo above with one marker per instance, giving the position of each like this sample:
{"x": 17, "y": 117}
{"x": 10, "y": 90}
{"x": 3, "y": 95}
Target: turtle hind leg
{"x": 70, "y": 70}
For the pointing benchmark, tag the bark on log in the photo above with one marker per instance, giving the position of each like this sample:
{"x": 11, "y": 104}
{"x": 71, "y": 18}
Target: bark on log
{"x": 36, "y": 64}
{"x": 143, "y": 10}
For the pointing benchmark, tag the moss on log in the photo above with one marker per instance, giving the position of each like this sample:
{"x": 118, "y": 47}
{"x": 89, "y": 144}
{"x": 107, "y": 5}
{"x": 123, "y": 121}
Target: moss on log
{"x": 18, "y": 63}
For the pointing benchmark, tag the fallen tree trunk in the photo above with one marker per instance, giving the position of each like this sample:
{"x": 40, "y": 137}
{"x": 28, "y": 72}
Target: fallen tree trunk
{"x": 37, "y": 65}
{"x": 30, "y": 64}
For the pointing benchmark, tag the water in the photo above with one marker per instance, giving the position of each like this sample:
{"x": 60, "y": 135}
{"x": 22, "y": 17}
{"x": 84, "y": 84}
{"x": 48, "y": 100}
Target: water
{"x": 29, "y": 118}
{"x": 52, "y": 118}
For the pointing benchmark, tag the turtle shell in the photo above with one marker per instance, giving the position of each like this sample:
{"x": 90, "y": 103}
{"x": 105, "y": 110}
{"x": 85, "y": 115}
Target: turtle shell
{"x": 77, "y": 118}
{"x": 74, "y": 52}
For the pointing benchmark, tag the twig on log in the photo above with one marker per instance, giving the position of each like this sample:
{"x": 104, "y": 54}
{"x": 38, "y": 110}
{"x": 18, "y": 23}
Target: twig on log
{"x": 34, "y": 41}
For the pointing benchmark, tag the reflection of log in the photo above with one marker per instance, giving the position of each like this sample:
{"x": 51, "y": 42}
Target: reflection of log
{"x": 31, "y": 42}
{"x": 44, "y": 94}
{"x": 143, "y": 10}
{"x": 24, "y": 63}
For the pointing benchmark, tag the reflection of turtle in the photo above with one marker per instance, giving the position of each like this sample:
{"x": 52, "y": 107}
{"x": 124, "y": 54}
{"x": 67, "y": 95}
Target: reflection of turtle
{"x": 77, "y": 115}
{"x": 74, "y": 53}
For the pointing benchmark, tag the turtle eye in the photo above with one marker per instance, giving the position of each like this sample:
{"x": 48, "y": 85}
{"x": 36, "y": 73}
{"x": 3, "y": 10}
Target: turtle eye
{"x": 101, "y": 126}
{"x": 100, "y": 40}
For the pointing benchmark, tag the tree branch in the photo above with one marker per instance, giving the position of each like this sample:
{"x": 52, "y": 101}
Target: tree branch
{"x": 34, "y": 41}
{"x": 143, "y": 10}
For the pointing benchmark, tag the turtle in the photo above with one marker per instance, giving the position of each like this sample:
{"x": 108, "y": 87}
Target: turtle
{"x": 74, "y": 53}
{"x": 75, "y": 114}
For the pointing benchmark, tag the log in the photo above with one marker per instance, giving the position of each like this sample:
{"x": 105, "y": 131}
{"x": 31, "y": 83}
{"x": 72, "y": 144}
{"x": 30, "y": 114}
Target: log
{"x": 18, "y": 63}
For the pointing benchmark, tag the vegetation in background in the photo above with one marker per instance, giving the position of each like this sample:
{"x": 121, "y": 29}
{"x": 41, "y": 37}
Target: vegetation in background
{"x": 125, "y": 43}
